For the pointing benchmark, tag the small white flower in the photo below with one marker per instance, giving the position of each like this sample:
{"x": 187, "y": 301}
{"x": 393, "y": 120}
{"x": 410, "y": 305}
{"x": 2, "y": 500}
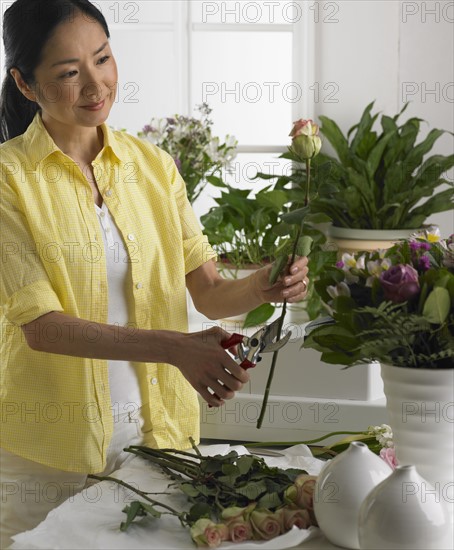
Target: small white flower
{"x": 341, "y": 289}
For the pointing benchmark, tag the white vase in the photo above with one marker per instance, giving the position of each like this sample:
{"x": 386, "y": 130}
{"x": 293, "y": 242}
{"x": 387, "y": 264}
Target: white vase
{"x": 397, "y": 514}
{"x": 420, "y": 406}
{"x": 342, "y": 485}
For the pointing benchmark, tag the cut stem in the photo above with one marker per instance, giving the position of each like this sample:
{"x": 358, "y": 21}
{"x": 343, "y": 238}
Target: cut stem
{"x": 284, "y": 306}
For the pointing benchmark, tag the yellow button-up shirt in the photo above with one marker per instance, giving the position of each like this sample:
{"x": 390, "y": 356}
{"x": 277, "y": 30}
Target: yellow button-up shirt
{"x": 56, "y": 409}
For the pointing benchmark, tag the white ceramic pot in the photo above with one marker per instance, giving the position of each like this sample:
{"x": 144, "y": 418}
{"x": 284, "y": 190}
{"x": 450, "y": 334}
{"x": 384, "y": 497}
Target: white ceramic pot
{"x": 399, "y": 513}
{"x": 353, "y": 240}
{"x": 420, "y": 406}
{"x": 342, "y": 485}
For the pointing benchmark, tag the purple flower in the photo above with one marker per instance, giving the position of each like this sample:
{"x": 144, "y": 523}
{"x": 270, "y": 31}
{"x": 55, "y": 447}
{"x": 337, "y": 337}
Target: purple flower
{"x": 414, "y": 245}
{"x": 178, "y": 163}
{"x": 400, "y": 283}
{"x": 424, "y": 263}
{"x": 426, "y": 246}
{"x": 340, "y": 264}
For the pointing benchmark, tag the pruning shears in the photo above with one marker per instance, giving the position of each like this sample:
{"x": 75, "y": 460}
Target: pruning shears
{"x": 251, "y": 347}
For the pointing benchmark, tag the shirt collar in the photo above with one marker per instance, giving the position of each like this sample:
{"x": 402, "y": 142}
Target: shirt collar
{"x": 40, "y": 145}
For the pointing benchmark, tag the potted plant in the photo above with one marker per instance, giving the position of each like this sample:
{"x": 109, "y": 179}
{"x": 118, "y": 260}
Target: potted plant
{"x": 198, "y": 154}
{"x": 241, "y": 229}
{"x": 381, "y": 178}
{"x": 397, "y": 307}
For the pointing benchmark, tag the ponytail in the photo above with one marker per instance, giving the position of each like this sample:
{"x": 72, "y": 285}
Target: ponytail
{"x": 16, "y": 111}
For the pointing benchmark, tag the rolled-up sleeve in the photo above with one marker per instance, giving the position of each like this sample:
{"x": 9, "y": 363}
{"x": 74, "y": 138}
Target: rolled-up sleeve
{"x": 25, "y": 291}
{"x": 196, "y": 248}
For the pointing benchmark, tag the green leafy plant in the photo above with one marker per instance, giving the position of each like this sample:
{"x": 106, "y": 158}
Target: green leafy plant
{"x": 241, "y": 228}
{"x": 197, "y": 153}
{"x": 394, "y": 306}
{"x": 381, "y": 179}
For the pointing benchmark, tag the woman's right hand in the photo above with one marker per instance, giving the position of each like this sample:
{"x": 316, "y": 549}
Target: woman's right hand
{"x": 207, "y": 366}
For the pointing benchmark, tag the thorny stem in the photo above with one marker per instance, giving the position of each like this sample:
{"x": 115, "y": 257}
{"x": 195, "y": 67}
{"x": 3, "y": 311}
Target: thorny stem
{"x": 284, "y": 306}
{"x": 143, "y": 494}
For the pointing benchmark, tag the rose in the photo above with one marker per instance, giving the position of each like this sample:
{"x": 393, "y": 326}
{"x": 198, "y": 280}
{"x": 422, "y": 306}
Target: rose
{"x": 266, "y": 524}
{"x": 295, "y": 517}
{"x": 389, "y": 456}
{"x": 235, "y": 512}
{"x": 400, "y": 283}
{"x": 305, "y": 485}
{"x": 239, "y": 530}
{"x": 305, "y": 141}
{"x": 205, "y": 532}
{"x": 301, "y": 493}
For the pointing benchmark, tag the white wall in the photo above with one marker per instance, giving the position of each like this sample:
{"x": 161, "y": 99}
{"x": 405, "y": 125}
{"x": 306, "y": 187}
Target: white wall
{"x": 384, "y": 50}
{"x": 387, "y": 50}
{"x": 392, "y": 52}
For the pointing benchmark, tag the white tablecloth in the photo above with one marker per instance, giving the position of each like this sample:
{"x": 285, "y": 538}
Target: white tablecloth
{"x": 91, "y": 519}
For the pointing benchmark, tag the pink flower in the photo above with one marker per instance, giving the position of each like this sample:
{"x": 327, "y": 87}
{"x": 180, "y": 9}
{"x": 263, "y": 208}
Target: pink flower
{"x": 400, "y": 283}
{"x": 266, "y": 525}
{"x": 301, "y": 493}
{"x": 389, "y": 456}
{"x": 305, "y": 141}
{"x": 239, "y": 530}
{"x": 296, "y": 517}
{"x": 205, "y": 532}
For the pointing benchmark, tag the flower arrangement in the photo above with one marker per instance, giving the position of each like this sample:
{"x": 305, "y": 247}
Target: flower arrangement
{"x": 198, "y": 154}
{"x": 231, "y": 497}
{"x": 394, "y": 306}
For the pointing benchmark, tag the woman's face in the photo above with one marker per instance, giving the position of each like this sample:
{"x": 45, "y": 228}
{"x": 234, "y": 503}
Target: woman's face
{"x": 76, "y": 81}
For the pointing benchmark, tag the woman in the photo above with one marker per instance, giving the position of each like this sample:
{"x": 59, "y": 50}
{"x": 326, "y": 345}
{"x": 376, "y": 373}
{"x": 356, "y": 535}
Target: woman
{"x": 99, "y": 243}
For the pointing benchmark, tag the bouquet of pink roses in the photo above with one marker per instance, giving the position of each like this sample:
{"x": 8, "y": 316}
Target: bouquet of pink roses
{"x": 395, "y": 306}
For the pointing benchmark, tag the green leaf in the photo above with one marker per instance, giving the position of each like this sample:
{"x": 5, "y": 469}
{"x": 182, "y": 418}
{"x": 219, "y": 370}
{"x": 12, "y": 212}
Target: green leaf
{"x": 363, "y": 128}
{"x": 217, "y": 182}
{"x": 437, "y": 306}
{"x": 334, "y": 135}
{"x": 189, "y": 490}
{"x": 199, "y": 510}
{"x": 274, "y": 199}
{"x": 138, "y": 509}
{"x": 304, "y": 245}
{"x": 297, "y": 216}
{"x": 252, "y": 490}
{"x": 212, "y": 218}
{"x": 132, "y": 511}
{"x": 269, "y": 501}
{"x": 278, "y": 265}
{"x": 259, "y": 315}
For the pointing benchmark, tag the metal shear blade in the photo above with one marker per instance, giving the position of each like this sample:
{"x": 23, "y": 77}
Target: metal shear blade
{"x": 270, "y": 334}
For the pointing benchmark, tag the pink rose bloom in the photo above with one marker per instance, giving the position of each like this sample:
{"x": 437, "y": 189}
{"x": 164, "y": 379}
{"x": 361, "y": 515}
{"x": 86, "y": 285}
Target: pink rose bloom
{"x": 389, "y": 456}
{"x": 305, "y": 141}
{"x": 296, "y": 517}
{"x": 205, "y": 532}
{"x": 304, "y": 496}
{"x": 400, "y": 283}
{"x": 239, "y": 530}
{"x": 266, "y": 524}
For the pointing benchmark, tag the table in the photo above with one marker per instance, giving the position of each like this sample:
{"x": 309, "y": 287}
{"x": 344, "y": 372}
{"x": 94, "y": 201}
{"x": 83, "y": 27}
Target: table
{"x": 91, "y": 519}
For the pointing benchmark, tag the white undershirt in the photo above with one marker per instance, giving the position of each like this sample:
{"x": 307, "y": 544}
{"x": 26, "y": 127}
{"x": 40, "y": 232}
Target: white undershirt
{"x": 124, "y": 385}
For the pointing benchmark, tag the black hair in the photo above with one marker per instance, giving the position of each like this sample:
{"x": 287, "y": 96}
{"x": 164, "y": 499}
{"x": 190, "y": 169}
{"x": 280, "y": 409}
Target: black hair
{"x": 27, "y": 26}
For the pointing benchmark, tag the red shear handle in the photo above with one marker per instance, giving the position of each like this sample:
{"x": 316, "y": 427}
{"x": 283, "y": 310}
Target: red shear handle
{"x": 246, "y": 364}
{"x": 234, "y": 340}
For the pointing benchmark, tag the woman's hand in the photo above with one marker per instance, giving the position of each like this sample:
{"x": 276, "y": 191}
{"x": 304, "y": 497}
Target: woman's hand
{"x": 291, "y": 286}
{"x": 207, "y": 366}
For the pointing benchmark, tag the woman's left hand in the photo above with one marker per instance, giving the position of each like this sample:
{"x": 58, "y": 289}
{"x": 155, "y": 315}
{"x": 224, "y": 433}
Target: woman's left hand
{"x": 291, "y": 286}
